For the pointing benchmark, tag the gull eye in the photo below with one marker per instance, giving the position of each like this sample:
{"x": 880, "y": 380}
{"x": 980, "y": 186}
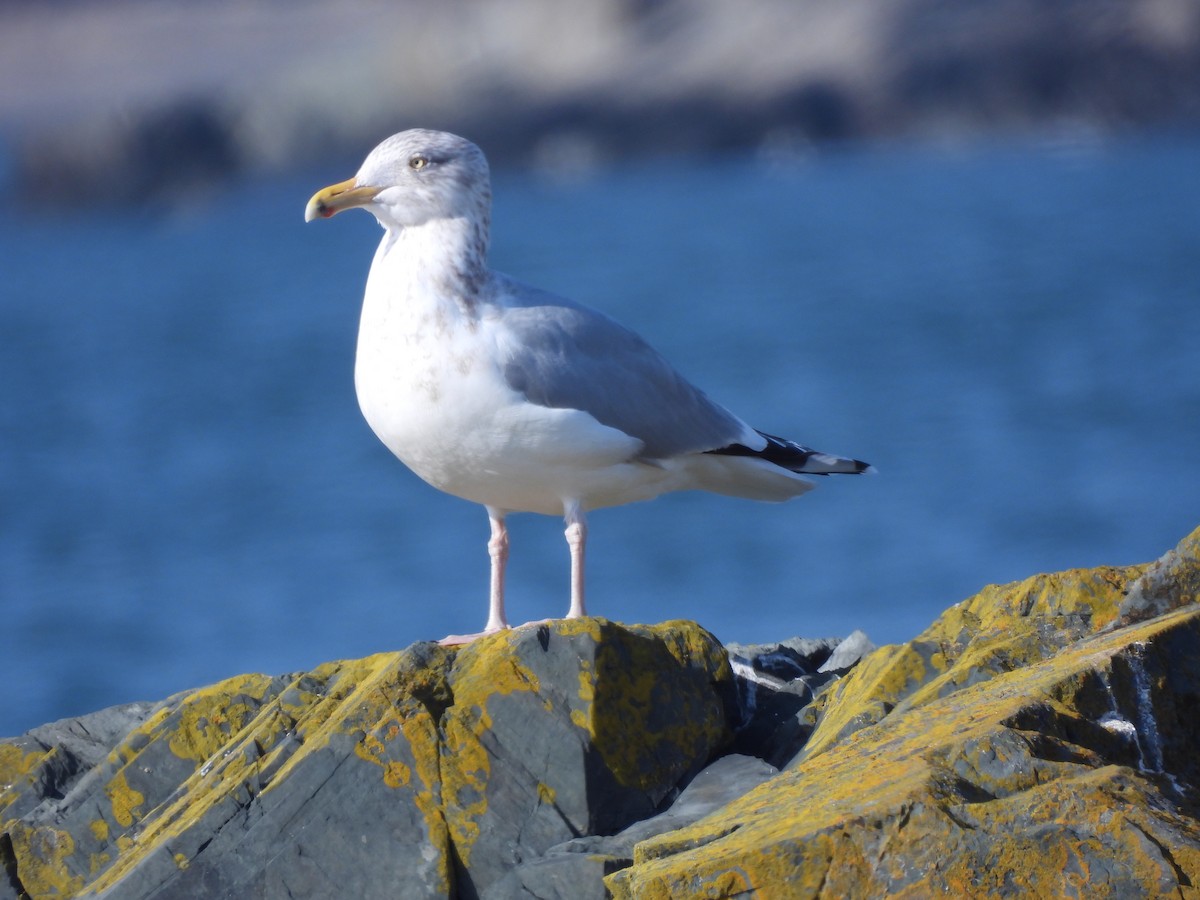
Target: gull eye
{"x": 418, "y": 162}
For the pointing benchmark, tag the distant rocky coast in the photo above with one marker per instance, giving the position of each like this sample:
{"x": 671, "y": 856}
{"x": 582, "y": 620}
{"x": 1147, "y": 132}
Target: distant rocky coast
{"x": 138, "y": 102}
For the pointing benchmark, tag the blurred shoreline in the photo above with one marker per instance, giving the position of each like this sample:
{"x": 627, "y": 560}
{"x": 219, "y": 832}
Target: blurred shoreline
{"x": 136, "y": 102}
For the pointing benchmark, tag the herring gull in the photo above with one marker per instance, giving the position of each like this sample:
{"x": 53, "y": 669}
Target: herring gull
{"x": 514, "y": 398}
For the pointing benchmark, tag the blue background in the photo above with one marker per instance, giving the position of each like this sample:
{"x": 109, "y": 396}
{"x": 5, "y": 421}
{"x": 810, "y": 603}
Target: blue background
{"x": 1008, "y": 332}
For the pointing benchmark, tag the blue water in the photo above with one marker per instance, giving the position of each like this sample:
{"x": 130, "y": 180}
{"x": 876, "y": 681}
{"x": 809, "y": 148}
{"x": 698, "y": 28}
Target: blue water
{"x": 187, "y": 490}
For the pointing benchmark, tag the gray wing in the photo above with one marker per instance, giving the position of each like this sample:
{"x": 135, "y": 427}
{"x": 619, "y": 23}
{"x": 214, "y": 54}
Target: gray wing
{"x": 570, "y": 357}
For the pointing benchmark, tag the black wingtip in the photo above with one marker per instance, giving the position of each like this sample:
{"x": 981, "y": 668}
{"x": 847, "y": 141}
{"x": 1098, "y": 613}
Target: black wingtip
{"x": 798, "y": 458}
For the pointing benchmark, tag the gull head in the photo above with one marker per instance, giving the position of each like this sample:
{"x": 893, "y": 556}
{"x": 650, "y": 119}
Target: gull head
{"x": 412, "y": 178}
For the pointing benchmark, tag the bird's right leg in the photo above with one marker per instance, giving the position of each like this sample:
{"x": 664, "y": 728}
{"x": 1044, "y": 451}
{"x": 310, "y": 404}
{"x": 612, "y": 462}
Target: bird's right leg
{"x": 498, "y": 551}
{"x": 577, "y": 541}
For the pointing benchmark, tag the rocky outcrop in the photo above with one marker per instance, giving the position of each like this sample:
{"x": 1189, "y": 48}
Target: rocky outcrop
{"x": 1039, "y": 739}
{"x": 1034, "y": 741}
{"x": 421, "y": 773}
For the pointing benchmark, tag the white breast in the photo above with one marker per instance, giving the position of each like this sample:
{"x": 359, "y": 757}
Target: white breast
{"x": 430, "y": 384}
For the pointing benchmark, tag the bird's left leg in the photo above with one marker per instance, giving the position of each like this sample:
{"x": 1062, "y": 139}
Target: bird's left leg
{"x": 576, "y": 533}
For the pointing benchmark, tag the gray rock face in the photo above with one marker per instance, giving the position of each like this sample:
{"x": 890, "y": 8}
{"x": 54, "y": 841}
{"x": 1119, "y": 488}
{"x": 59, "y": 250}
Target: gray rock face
{"x": 848, "y": 652}
{"x": 584, "y": 731}
{"x": 575, "y": 870}
{"x": 424, "y": 773}
{"x": 78, "y": 745}
{"x": 776, "y": 686}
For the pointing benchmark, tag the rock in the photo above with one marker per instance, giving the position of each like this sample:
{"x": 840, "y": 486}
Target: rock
{"x": 1025, "y": 744}
{"x": 258, "y": 786}
{"x": 41, "y": 766}
{"x": 1038, "y": 739}
{"x": 1167, "y": 584}
{"x": 575, "y": 870}
{"x": 421, "y": 773}
{"x": 848, "y": 652}
{"x": 776, "y": 687}
{"x": 580, "y": 729}
{"x": 785, "y": 659}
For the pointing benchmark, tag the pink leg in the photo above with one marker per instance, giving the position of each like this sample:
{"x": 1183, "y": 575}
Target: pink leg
{"x": 498, "y": 551}
{"x": 576, "y": 533}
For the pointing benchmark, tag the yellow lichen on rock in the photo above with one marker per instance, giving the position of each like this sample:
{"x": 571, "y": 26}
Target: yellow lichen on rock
{"x": 210, "y": 716}
{"x": 251, "y": 733}
{"x": 16, "y": 765}
{"x": 422, "y": 734}
{"x": 869, "y": 693}
{"x": 572, "y": 725}
{"x": 917, "y": 776}
{"x": 99, "y": 829}
{"x": 580, "y": 715}
{"x": 1090, "y": 825}
{"x": 126, "y": 802}
{"x": 484, "y": 670}
{"x": 690, "y": 645}
{"x": 464, "y": 783}
{"x": 97, "y": 863}
{"x": 372, "y": 749}
{"x": 637, "y": 743}
{"x": 41, "y": 856}
{"x": 490, "y": 666}
{"x": 1002, "y": 628}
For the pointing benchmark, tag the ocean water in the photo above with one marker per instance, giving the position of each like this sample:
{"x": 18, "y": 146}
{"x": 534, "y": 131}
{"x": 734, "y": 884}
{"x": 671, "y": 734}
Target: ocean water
{"x": 187, "y": 490}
